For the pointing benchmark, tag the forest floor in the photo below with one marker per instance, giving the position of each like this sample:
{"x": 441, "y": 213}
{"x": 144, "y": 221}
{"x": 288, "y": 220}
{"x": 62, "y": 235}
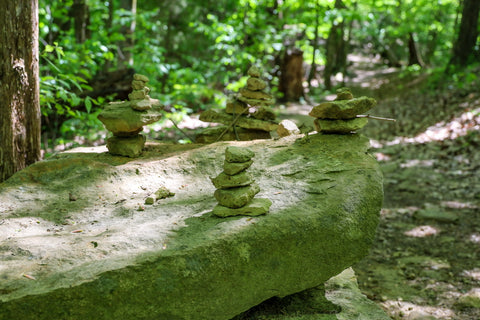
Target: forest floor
{"x": 425, "y": 261}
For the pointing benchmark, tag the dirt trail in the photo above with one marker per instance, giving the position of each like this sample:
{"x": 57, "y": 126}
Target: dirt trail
{"x": 425, "y": 261}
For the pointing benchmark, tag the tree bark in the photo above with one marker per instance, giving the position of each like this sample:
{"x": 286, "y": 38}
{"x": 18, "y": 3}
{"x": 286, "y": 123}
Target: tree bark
{"x": 291, "y": 75}
{"x": 336, "y": 49}
{"x": 125, "y": 48}
{"x": 315, "y": 44}
{"x": 81, "y": 18}
{"x": 19, "y": 86}
{"x": 414, "y": 56}
{"x": 467, "y": 34}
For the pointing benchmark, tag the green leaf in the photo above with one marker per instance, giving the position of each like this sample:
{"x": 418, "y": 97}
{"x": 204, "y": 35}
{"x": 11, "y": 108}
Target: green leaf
{"x": 88, "y": 104}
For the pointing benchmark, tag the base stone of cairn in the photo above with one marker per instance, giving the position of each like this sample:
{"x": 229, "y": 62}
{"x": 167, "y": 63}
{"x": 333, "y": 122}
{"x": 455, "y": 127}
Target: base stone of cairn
{"x": 126, "y": 119}
{"x": 236, "y": 188}
{"x": 341, "y": 115}
{"x": 98, "y": 257}
{"x": 247, "y": 115}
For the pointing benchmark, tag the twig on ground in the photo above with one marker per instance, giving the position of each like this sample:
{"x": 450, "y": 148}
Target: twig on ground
{"x": 375, "y": 118}
{"x": 231, "y": 124}
{"x": 183, "y": 132}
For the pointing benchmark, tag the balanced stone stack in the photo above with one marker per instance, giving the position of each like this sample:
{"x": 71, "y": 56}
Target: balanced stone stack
{"x": 125, "y": 119}
{"x": 247, "y": 115}
{"x": 236, "y": 188}
{"x": 341, "y": 116}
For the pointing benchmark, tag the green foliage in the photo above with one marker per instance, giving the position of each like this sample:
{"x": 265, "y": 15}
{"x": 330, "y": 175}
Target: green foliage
{"x": 196, "y": 52}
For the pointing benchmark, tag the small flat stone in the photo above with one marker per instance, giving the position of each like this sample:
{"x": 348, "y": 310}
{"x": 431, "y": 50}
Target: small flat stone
{"x": 256, "y": 84}
{"x": 236, "y": 197}
{"x": 344, "y": 94}
{"x": 264, "y": 113}
{"x": 254, "y": 71}
{"x": 225, "y": 181}
{"x": 255, "y": 102}
{"x": 120, "y": 118}
{"x": 287, "y": 128}
{"x": 137, "y": 84}
{"x": 138, "y": 94}
{"x": 340, "y": 126}
{"x": 163, "y": 193}
{"x": 256, "y": 207}
{"x": 235, "y": 106}
{"x": 141, "y": 105}
{"x": 140, "y": 77}
{"x": 128, "y": 147}
{"x": 343, "y": 109}
{"x": 242, "y": 122}
{"x": 238, "y": 154}
{"x": 149, "y": 201}
{"x": 232, "y": 168}
{"x": 210, "y": 135}
{"x": 258, "y": 95}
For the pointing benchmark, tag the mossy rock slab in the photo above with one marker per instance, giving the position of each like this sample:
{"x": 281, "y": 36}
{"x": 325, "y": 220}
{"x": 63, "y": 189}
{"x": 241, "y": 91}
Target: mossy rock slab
{"x": 340, "y": 126}
{"x": 343, "y": 109}
{"x": 121, "y": 118}
{"x": 99, "y": 257}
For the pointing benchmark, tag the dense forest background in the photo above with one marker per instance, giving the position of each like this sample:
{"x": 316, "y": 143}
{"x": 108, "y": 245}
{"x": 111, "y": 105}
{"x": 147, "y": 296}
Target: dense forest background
{"x": 196, "y": 51}
{"x": 420, "y": 59}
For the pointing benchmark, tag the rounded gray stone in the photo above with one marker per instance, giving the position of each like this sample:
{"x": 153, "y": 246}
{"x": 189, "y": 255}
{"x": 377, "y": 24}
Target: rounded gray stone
{"x": 238, "y": 154}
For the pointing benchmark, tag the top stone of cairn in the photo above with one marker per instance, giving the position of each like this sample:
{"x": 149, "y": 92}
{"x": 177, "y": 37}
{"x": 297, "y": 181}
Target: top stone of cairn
{"x": 237, "y": 154}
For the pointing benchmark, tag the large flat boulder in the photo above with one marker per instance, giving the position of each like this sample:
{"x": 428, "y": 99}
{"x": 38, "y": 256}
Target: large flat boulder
{"x": 78, "y": 242}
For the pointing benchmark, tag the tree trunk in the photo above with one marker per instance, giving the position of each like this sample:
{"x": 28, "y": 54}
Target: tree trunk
{"x": 81, "y": 18}
{"x": 467, "y": 34}
{"x": 315, "y": 44}
{"x": 291, "y": 75}
{"x": 414, "y": 56}
{"x": 19, "y": 86}
{"x": 125, "y": 48}
{"x": 336, "y": 50}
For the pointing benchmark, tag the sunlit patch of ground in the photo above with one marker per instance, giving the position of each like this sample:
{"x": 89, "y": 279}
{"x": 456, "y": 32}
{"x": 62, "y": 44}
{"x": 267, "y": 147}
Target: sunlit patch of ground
{"x": 407, "y": 310}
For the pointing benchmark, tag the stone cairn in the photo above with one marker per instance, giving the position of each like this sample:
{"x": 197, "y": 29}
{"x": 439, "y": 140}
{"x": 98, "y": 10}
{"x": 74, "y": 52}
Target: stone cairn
{"x": 125, "y": 119}
{"x": 343, "y": 115}
{"x": 236, "y": 188}
{"x": 247, "y": 115}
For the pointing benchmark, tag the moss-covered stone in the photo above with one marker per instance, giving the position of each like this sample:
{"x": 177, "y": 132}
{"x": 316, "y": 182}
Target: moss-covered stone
{"x": 256, "y": 84}
{"x": 256, "y": 207}
{"x": 126, "y": 146}
{"x": 236, "y": 107}
{"x": 177, "y": 260}
{"x": 236, "y": 197}
{"x": 238, "y": 154}
{"x": 344, "y": 94}
{"x": 257, "y": 95}
{"x": 225, "y": 181}
{"x": 342, "y": 109}
{"x": 140, "y": 77}
{"x": 119, "y": 117}
{"x": 254, "y": 72}
{"x": 232, "y": 168}
{"x": 264, "y": 113}
{"x": 340, "y": 126}
{"x": 163, "y": 193}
